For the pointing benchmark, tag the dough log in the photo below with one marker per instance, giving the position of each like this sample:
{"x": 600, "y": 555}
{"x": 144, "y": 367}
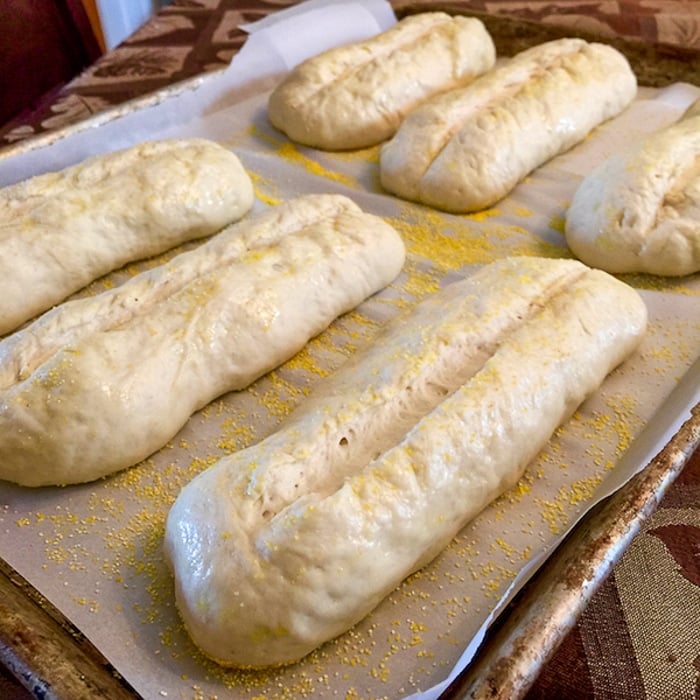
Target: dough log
{"x": 639, "y": 211}
{"x": 290, "y": 542}
{"x": 356, "y": 96}
{"x": 62, "y": 230}
{"x": 466, "y": 149}
{"x": 100, "y": 383}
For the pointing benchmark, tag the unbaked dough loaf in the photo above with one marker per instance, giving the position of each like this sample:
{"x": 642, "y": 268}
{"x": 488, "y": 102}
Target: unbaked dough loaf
{"x": 61, "y": 230}
{"x": 356, "y": 96}
{"x": 100, "y": 383}
{"x": 288, "y": 543}
{"x": 466, "y": 149}
{"x": 639, "y": 211}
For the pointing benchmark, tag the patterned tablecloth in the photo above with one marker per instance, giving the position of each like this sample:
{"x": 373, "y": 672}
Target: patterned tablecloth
{"x": 640, "y": 636}
{"x": 189, "y": 37}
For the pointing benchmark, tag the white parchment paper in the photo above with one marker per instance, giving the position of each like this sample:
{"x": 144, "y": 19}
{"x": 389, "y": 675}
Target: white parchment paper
{"x": 95, "y": 550}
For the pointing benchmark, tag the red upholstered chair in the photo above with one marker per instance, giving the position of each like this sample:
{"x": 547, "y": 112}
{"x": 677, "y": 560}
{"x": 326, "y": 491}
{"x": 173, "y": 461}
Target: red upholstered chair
{"x": 43, "y": 45}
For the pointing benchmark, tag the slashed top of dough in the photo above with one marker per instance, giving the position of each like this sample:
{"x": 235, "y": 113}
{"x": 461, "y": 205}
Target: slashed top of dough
{"x": 356, "y": 96}
{"x": 99, "y": 383}
{"x": 61, "y": 230}
{"x": 289, "y": 542}
{"x": 639, "y": 211}
{"x": 467, "y": 148}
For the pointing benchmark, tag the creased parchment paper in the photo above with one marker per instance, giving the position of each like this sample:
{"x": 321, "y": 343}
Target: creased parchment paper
{"x": 95, "y": 550}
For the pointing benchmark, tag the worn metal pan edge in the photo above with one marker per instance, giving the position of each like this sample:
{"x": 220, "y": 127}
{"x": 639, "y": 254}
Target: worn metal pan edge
{"x": 529, "y": 631}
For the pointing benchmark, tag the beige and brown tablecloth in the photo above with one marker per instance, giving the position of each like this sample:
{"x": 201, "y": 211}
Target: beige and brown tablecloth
{"x": 190, "y": 37}
{"x": 640, "y": 636}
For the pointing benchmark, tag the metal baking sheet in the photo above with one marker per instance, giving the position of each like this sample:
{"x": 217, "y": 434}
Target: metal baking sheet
{"x": 93, "y": 550}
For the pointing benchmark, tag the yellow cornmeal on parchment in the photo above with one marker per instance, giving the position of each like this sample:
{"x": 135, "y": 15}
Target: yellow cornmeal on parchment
{"x": 117, "y": 537}
{"x": 425, "y": 614}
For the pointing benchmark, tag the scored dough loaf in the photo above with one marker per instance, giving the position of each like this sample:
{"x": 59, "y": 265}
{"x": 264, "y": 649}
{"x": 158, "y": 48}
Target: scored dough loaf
{"x": 639, "y": 210}
{"x": 355, "y": 96}
{"x": 290, "y": 542}
{"x": 98, "y": 384}
{"x": 61, "y": 230}
{"x": 464, "y": 150}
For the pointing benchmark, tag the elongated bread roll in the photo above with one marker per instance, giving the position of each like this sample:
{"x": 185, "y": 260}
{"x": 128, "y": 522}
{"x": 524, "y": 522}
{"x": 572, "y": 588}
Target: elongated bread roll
{"x": 639, "y": 211}
{"x": 466, "y": 149}
{"x": 356, "y": 96}
{"x": 99, "y": 383}
{"x": 290, "y": 542}
{"x": 61, "y": 230}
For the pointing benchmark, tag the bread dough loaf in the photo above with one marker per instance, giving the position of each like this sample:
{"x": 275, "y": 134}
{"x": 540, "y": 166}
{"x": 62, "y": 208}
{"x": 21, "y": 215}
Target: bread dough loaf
{"x": 290, "y": 542}
{"x": 639, "y": 211}
{"x": 61, "y": 230}
{"x": 466, "y": 149}
{"x": 100, "y": 383}
{"x": 356, "y": 96}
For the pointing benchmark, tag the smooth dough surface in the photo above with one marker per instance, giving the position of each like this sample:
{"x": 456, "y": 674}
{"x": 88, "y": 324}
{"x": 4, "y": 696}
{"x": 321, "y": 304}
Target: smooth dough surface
{"x": 356, "y": 96}
{"x": 100, "y": 383}
{"x": 62, "y": 230}
{"x": 639, "y": 211}
{"x": 290, "y": 542}
{"x": 464, "y": 150}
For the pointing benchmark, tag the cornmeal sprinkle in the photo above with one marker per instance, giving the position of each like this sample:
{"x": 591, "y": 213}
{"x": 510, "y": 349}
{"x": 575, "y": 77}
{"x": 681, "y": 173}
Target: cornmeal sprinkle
{"x": 558, "y": 223}
{"x": 657, "y": 283}
{"x": 119, "y": 539}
